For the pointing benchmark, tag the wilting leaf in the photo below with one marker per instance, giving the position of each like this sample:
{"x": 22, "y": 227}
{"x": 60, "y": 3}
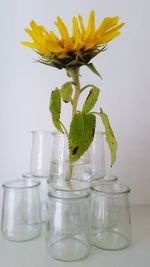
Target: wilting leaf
{"x": 81, "y": 134}
{"x": 55, "y": 108}
{"x": 110, "y": 138}
{"x": 66, "y": 92}
{"x": 91, "y": 100}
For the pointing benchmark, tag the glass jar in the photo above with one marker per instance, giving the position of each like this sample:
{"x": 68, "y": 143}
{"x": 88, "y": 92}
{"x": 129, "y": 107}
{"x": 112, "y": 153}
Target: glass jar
{"x": 43, "y": 190}
{"x": 21, "y": 220}
{"x": 40, "y": 153}
{"x": 61, "y": 167}
{"x": 68, "y": 228}
{"x": 100, "y": 164}
{"x": 110, "y": 213}
{"x": 97, "y": 156}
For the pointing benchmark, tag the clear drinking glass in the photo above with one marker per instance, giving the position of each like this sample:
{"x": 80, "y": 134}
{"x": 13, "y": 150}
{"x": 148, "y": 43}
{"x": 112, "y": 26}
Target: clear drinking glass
{"x": 60, "y": 164}
{"x": 40, "y": 153}
{"x": 97, "y": 156}
{"x": 110, "y": 213}
{"x": 21, "y": 220}
{"x": 43, "y": 190}
{"x": 68, "y": 229}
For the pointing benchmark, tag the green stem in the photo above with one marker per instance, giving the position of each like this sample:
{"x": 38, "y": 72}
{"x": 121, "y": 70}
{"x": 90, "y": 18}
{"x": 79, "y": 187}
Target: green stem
{"x": 64, "y": 128}
{"x": 74, "y": 73}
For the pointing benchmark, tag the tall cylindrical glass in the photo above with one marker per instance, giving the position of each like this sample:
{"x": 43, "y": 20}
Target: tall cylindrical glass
{"x": 61, "y": 167}
{"x": 21, "y": 220}
{"x": 68, "y": 228}
{"x": 97, "y": 156}
{"x": 110, "y": 213}
{"x": 40, "y": 153}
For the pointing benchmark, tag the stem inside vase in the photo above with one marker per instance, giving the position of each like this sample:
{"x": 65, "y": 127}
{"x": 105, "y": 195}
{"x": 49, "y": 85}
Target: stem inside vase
{"x": 74, "y": 74}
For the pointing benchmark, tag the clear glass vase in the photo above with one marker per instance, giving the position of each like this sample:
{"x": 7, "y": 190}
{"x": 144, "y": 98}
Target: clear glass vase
{"x": 100, "y": 165}
{"x": 110, "y": 213}
{"x": 40, "y": 154}
{"x": 61, "y": 167}
{"x": 21, "y": 211}
{"x": 97, "y": 156}
{"x": 68, "y": 228}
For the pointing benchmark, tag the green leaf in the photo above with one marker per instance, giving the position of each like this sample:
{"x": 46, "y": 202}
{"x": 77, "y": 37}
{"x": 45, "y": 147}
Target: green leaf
{"x": 93, "y": 69}
{"x": 81, "y": 134}
{"x": 110, "y": 138}
{"x": 66, "y": 92}
{"x": 91, "y": 100}
{"x": 55, "y": 108}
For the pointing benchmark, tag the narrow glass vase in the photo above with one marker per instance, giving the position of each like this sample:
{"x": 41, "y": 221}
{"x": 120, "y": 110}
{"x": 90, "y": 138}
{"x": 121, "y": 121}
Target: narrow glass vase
{"x": 40, "y": 153}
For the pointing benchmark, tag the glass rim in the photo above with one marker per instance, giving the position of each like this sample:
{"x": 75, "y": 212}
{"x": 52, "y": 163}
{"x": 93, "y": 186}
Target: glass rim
{"x": 9, "y": 184}
{"x": 41, "y": 131}
{"x": 123, "y": 188}
{"x": 105, "y": 178}
{"x": 28, "y": 175}
{"x": 58, "y": 133}
{"x": 51, "y": 194}
{"x": 67, "y": 186}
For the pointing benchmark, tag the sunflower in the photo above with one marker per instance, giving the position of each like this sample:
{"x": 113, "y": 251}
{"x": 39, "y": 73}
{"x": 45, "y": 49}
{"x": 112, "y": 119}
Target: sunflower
{"x": 73, "y": 50}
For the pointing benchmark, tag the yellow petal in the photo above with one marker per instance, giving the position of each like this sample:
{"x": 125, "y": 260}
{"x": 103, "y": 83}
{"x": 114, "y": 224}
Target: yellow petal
{"x": 81, "y": 25}
{"x": 106, "y": 24}
{"x": 31, "y": 45}
{"x": 90, "y": 30}
{"x": 62, "y": 28}
{"x": 35, "y": 46}
{"x": 112, "y": 22}
{"x": 35, "y": 28}
{"x": 76, "y": 34}
{"x": 76, "y": 31}
{"x": 108, "y": 38}
{"x": 45, "y": 33}
{"x": 75, "y": 27}
{"x": 54, "y": 46}
{"x": 115, "y": 28}
{"x": 53, "y": 37}
{"x": 68, "y": 45}
{"x": 90, "y": 45}
{"x": 32, "y": 34}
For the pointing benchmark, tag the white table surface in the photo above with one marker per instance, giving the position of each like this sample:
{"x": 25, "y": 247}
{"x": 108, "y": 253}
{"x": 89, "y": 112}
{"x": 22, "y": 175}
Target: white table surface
{"x": 34, "y": 254}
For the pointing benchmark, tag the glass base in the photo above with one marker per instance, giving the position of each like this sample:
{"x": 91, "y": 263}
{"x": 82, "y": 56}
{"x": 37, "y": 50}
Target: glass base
{"x": 69, "y": 249}
{"x": 22, "y": 233}
{"x": 110, "y": 240}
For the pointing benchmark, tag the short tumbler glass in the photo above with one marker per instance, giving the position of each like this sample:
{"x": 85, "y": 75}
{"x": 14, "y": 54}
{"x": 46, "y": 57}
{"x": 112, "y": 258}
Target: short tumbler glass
{"x": 68, "y": 228}
{"x": 21, "y": 218}
{"x": 110, "y": 213}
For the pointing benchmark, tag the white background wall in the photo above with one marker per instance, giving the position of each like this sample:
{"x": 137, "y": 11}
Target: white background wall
{"x": 25, "y": 86}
